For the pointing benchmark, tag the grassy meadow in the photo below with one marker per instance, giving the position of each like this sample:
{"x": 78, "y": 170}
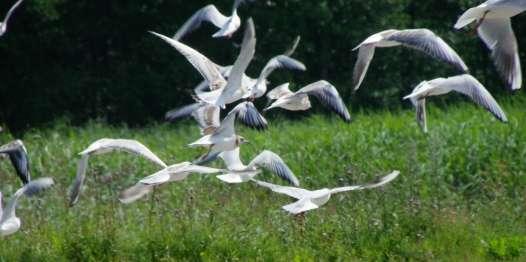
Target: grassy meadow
{"x": 460, "y": 196}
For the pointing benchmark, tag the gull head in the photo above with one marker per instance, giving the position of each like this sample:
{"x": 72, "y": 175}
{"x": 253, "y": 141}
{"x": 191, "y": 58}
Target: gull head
{"x": 241, "y": 140}
{"x": 259, "y": 89}
{"x": 419, "y": 91}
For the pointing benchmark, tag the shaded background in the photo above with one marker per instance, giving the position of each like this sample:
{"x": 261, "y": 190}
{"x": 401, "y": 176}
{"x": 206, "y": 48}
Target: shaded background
{"x": 87, "y": 59}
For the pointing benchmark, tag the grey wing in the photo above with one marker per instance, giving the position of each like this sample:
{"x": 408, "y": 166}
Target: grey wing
{"x": 294, "y": 192}
{"x": 498, "y": 35}
{"x": 426, "y": 41}
{"x": 380, "y": 182}
{"x": 208, "y": 69}
{"x": 248, "y": 48}
{"x": 421, "y": 118}
{"x": 30, "y": 189}
{"x": 19, "y": 159}
{"x": 468, "y": 85}
{"x": 131, "y": 146}
{"x": 227, "y": 126}
{"x": 365, "y": 55}
{"x": 208, "y": 13}
{"x": 273, "y": 163}
{"x": 174, "y": 114}
{"x": 134, "y": 193}
{"x": 76, "y": 187}
{"x": 329, "y": 96}
{"x": 159, "y": 177}
{"x": 197, "y": 169}
{"x": 36, "y": 186}
{"x": 292, "y": 49}
{"x": 248, "y": 114}
{"x": 281, "y": 61}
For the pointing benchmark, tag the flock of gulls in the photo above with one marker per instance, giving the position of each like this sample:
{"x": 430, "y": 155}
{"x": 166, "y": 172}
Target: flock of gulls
{"x": 226, "y": 85}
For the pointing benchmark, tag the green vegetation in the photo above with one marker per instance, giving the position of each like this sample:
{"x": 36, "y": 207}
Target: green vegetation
{"x": 460, "y": 195}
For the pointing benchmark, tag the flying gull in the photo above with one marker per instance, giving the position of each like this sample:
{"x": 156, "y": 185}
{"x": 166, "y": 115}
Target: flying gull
{"x": 420, "y": 39}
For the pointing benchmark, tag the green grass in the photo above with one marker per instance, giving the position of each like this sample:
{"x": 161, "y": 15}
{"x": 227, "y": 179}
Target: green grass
{"x": 460, "y": 196}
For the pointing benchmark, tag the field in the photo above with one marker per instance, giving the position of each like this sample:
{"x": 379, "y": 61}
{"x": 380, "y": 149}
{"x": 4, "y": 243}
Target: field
{"x": 460, "y": 196}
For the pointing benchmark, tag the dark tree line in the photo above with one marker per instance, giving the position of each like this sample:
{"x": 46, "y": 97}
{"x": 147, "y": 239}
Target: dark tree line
{"x": 88, "y": 59}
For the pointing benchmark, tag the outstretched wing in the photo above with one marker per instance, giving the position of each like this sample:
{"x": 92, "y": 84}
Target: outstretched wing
{"x": 201, "y": 63}
{"x": 292, "y": 49}
{"x": 17, "y": 153}
{"x": 329, "y": 96}
{"x": 471, "y": 87}
{"x": 106, "y": 145}
{"x": 247, "y": 113}
{"x": 234, "y": 89}
{"x": 273, "y": 163}
{"x": 426, "y": 41}
{"x": 421, "y": 117}
{"x": 498, "y": 35}
{"x": 206, "y": 115}
{"x": 30, "y": 189}
{"x": 294, "y": 192}
{"x": 381, "y": 182}
{"x": 76, "y": 187}
{"x": 185, "y": 111}
{"x": 280, "y": 61}
{"x": 208, "y": 13}
{"x": 171, "y": 173}
{"x": 9, "y": 14}
{"x": 365, "y": 56}
{"x": 134, "y": 193}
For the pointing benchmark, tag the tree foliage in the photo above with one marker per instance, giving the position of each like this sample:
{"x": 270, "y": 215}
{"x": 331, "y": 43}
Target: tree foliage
{"x": 94, "y": 59}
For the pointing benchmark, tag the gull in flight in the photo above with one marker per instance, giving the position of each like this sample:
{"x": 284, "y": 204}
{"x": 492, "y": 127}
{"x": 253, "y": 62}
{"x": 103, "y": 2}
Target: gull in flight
{"x": 239, "y": 173}
{"x": 3, "y": 24}
{"x": 171, "y": 173}
{"x": 104, "y": 146}
{"x": 420, "y": 39}
{"x": 464, "y": 84}
{"x": 493, "y": 20}
{"x": 224, "y": 92}
{"x": 18, "y": 155}
{"x": 256, "y": 88}
{"x": 299, "y": 100}
{"x": 308, "y": 200}
{"x": 224, "y": 137}
{"x": 9, "y": 222}
{"x": 277, "y": 62}
{"x": 227, "y": 25}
